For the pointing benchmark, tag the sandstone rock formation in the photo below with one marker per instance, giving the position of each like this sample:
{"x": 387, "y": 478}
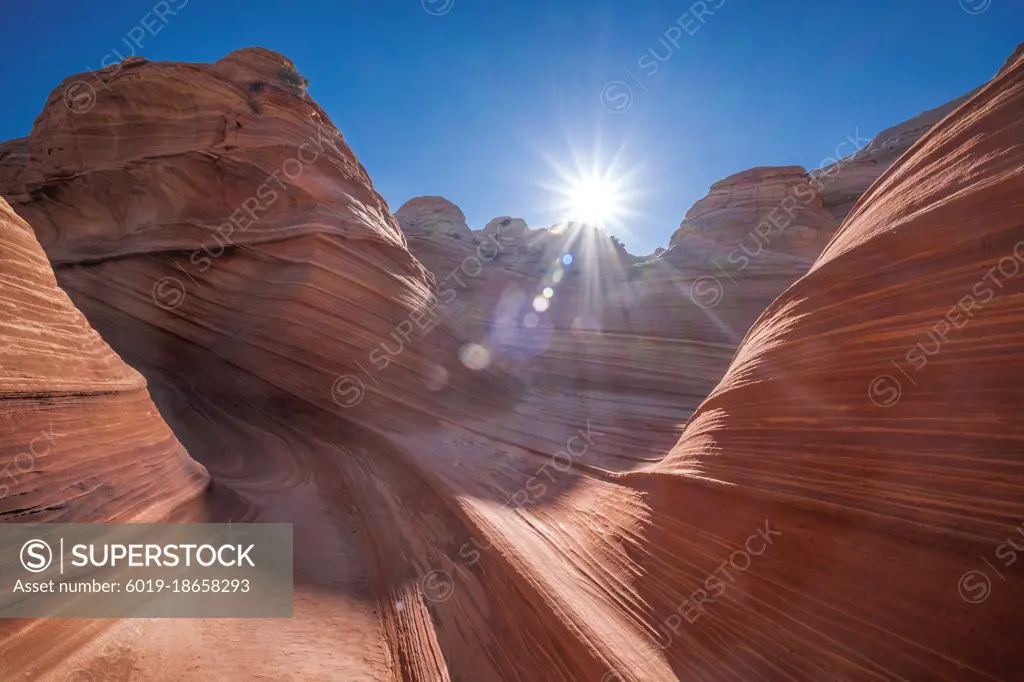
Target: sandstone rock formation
{"x": 238, "y": 256}
{"x": 80, "y": 440}
{"x": 843, "y": 182}
{"x": 873, "y": 410}
{"x": 433, "y": 217}
{"x": 280, "y": 187}
{"x": 56, "y": 377}
{"x": 241, "y": 260}
{"x": 485, "y": 462}
{"x": 773, "y": 208}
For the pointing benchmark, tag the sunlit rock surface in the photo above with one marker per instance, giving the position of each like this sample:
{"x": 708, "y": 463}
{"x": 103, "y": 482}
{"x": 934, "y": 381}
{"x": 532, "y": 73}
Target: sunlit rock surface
{"x": 784, "y": 209}
{"x": 235, "y": 253}
{"x": 56, "y": 377}
{"x": 436, "y": 232}
{"x": 80, "y": 439}
{"x": 871, "y": 417}
{"x": 483, "y": 455}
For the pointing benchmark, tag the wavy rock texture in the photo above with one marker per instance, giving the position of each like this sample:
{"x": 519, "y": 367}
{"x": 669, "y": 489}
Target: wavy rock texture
{"x": 80, "y": 440}
{"x": 490, "y": 497}
{"x": 56, "y": 376}
{"x": 235, "y": 252}
{"x": 871, "y": 416}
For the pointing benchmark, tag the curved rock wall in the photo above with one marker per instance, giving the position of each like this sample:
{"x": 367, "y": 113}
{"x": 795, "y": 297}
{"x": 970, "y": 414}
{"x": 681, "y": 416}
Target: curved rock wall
{"x": 870, "y": 422}
{"x": 80, "y": 439}
{"x": 57, "y": 380}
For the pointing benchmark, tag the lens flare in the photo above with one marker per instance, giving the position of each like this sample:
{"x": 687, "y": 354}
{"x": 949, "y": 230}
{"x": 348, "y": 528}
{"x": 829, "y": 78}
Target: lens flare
{"x": 475, "y": 356}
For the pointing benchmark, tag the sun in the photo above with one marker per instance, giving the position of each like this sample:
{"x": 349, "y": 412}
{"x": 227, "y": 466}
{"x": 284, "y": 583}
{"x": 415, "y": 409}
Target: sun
{"x": 595, "y": 201}
{"x": 588, "y": 190}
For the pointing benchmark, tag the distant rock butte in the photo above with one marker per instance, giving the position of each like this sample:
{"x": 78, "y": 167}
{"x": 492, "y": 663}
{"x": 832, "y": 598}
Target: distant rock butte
{"x": 842, "y": 183}
{"x": 511, "y": 228}
{"x": 775, "y": 209}
{"x": 479, "y": 440}
{"x": 433, "y": 217}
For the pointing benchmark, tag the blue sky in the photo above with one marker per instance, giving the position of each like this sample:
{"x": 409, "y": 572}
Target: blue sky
{"x": 480, "y": 100}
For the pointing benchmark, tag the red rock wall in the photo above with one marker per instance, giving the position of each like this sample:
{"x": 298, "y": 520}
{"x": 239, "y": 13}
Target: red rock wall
{"x": 80, "y": 439}
{"x": 58, "y": 382}
{"x": 891, "y": 469}
{"x": 262, "y": 341}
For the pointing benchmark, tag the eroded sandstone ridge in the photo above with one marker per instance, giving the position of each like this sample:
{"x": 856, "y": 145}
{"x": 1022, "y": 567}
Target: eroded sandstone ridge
{"x": 873, "y": 410}
{"x": 80, "y": 439}
{"x": 56, "y": 377}
{"x": 483, "y": 454}
{"x": 763, "y": 197}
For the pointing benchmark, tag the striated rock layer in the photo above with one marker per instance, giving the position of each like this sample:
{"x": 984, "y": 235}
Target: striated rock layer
{"x": 80, "y": 440}
{"x": 492, "y": 483}
{"x": 871, "y": 418}
{"x": 236, "y": 254}
{"x": 57, "y": 379}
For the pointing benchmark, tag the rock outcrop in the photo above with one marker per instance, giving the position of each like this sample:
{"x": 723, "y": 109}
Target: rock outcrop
{"x": 58, "y": 379}
{"x": 769, "y": 208}
{"x": 870, "y": 418}
{"x": 223, "y": 191}
{"x": 235, "y": 252}
{"x": 436, "y": 232}
{"x": 485, "y": 461}
{"x": 843, "y": 182}
{"x": 80, "y": 439}
{"x": 433, "y": 217}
